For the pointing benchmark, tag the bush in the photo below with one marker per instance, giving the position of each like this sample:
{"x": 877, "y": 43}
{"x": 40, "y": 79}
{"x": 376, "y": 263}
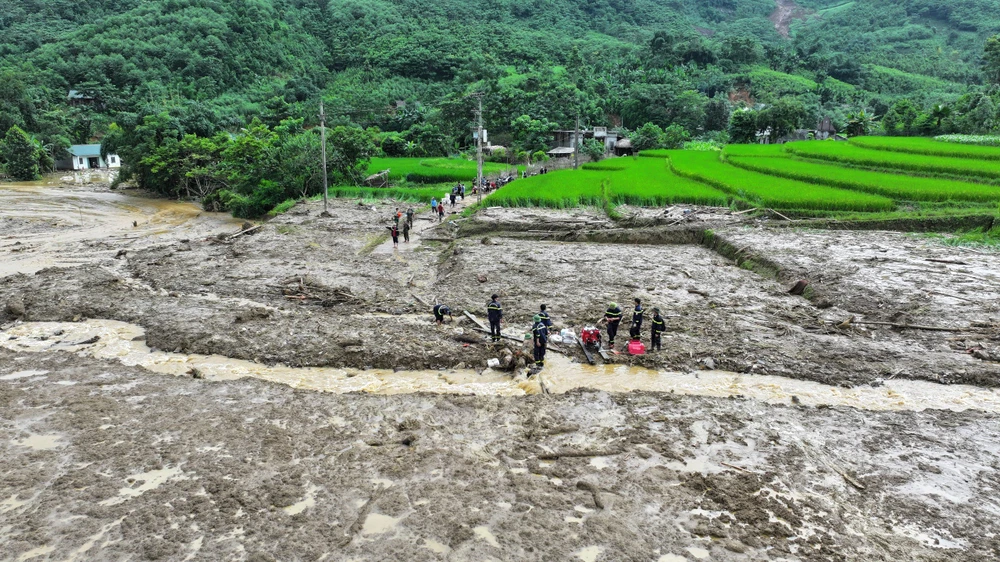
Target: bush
{"x": 21, "y": 155}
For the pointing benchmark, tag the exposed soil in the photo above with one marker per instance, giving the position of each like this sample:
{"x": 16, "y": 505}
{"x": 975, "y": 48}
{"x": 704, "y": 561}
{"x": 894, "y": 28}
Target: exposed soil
{"x": 787, "y": 12}
{"x": 414, "y": 477}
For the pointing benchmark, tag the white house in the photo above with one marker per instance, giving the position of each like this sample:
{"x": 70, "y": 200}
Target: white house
{"x": 87, "y": 157}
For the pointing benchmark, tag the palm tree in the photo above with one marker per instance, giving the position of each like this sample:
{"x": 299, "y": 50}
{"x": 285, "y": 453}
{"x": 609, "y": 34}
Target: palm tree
{"x": 940, "y": 112}
{"x": 859, "y": 123}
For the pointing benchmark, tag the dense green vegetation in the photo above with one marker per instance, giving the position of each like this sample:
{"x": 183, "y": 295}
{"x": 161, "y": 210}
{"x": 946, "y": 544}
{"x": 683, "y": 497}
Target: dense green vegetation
{"x": 433, "y": 170}
{"x": 177, "y": 84}
{"x": 930, "y": 147}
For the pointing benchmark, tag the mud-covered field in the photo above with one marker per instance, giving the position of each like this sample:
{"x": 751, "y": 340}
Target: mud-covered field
{"x": 114, "y": 462}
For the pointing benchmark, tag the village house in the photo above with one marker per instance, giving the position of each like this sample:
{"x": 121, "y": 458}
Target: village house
{"x": 564, "y": 140}
{"x": 87, "y": 157}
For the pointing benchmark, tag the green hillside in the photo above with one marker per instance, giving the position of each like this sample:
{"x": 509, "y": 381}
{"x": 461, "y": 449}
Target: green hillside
{"x": 406, "y": 67}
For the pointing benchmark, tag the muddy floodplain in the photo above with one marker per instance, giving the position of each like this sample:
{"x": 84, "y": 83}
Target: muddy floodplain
{"x": 830, "y": 443}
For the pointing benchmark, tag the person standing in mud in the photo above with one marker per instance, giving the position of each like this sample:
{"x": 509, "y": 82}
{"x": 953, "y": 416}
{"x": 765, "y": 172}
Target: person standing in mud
{"x": 613, "y": 317}
{"x": 406, "y": 231}
{"x": 495, "y": 314}
{"x": 658, "y": 327}
{"x": 409, "y": 216}
{"x": 546, "y": 319}
{"x": 396, "y": 216}
{"x": 440, "y": 311}
{"x": 434, "y": 205}
{"x": 635, "y": 330}
{"x": 394, "y": 232}
{"x": 540, "y": 339}
{"x": 441, "y": 212}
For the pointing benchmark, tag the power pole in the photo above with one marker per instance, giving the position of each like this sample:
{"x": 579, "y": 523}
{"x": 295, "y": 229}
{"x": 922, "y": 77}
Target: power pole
{"x": 479, "y": 147}
{"x": 576, "y": 143}
{"x": 322, "y": 136}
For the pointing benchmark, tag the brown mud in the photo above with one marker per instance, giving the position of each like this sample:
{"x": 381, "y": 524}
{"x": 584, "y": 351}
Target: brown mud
{"x": 111, "y": 461}
{"x": 787, "y": 12}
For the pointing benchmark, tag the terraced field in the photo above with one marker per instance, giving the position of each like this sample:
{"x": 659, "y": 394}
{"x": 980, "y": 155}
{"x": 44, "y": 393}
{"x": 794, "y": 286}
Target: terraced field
{"x": 432, "y": 170}
{"x": 873, "y": 176}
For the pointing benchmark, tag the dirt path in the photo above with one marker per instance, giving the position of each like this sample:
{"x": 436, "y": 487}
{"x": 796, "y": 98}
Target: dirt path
{"x": 423, "y": 222}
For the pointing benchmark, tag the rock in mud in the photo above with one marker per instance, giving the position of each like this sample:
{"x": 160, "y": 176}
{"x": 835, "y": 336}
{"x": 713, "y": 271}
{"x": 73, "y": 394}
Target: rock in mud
{"x": 15, "y": 307}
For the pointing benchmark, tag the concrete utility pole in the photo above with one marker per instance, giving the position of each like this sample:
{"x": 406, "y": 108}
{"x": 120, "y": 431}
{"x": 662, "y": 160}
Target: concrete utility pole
{"x": 576, "y": 144}
{"x": 479, "y": 147}
{"x": 322, "y": 136}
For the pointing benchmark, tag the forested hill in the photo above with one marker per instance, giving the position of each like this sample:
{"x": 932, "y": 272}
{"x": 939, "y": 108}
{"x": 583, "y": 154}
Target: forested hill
{"x": 213, "y": 65}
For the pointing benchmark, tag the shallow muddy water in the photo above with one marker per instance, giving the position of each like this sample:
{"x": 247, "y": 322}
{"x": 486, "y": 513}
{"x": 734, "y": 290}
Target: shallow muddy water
{"x": 125, "y": 342}
{"x": 47, "y": 224}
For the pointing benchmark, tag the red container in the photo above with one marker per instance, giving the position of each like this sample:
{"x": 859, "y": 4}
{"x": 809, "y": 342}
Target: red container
{"x": 635, "y": 347}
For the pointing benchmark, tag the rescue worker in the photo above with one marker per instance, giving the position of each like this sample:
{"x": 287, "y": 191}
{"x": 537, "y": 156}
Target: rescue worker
{"x": 540, "y": 339}
{"x": 613, "y": 316}
{"x": 495, "y": 313}
{"x": 440, "y": 311}
{"x": 659, "y": 326}
{"x": 635, "y": 329}
{"x": 546, "y": 319}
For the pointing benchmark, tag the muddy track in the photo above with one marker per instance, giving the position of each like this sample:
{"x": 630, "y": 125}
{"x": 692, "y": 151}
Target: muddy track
{"x": 107, "y": 462}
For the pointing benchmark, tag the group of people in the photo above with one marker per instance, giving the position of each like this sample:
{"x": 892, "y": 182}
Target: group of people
{"x": 613, "y": 318}
{"x": 542, "y": 322}
{"x": 394, "y": 229}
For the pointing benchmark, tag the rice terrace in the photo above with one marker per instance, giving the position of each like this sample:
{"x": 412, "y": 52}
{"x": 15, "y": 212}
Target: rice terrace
{"x": 468, "y": 280}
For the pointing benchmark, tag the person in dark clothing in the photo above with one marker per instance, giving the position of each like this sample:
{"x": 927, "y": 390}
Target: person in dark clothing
{"x": 546, "y": 319}
{"x": 659, "y": 326}
{"x": 495, "y": 313}
{"x": 613, "y": 316}
{"x": 394, "y": 231}
{"x": 440, "y": 311}
{"x": 409, "y": 216}
{"x": 540, "y": 339}
{"x": 441, "y": 212}
{"x": 406, "y": 231}
{"x": 635, "y": 329}
{"x": 453, "y": 196}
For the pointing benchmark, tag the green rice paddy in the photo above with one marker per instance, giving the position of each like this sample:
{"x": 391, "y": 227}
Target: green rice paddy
{"x": 868, "y": 176}
{"x": 432, "y": 170}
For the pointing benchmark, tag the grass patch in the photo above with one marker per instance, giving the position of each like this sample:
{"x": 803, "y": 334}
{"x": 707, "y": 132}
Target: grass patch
{"x": 982, "y": 140}
{"x": 846, "y": 153}
{"x": 974, "y": 237}
{"x": 928, "y": 146}
{"x": 769, "y": 191}
{"x": 432, "y": 170}
{"x": 896, "y": 186}
{"x": 282, "y": 207}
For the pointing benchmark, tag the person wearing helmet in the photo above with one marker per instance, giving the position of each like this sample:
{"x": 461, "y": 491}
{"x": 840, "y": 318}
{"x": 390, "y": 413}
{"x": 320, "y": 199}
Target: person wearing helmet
{"x": 540, "y": 339}
{"x": 495, "y": 314}
{"x": 613, "y": 317}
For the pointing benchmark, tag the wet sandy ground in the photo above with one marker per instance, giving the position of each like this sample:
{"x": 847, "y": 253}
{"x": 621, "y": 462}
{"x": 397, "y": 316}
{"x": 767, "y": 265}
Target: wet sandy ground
{"x": 107, "y": 462}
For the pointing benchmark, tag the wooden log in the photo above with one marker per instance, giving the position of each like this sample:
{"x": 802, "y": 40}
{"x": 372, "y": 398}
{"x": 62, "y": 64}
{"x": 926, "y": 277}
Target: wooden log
{"x": 586, "y": 352}
{"x": 242, "y": 232}
{"x": 475, "y": 320}
{"x": 420, "y": 300}
{"x": 953, "y": 262}
{"x": 912, "y": 326}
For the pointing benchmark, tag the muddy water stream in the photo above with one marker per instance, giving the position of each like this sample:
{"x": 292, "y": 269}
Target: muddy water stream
{"x": 124, "y": 342}
{"x": 47, "y": 223}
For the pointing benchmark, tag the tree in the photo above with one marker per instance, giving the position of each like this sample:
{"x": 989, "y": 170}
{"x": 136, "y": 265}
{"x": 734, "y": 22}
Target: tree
{"x": 743, "y": 126}
{"x": 532, "y": 135}
{"x": 991, "y": 60}
{"x": 782, "y": 118}
{"x": 716, "y": 115}
{"x": 21, "y": 154}
{"x": 647, "y": 137}
{"x": 593, "y": 148}
{"x": 859, "y": 123}
{"x": 349, "y": 149}
{"x": 675, "y": 136}
{"x": 940, "y": 112}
